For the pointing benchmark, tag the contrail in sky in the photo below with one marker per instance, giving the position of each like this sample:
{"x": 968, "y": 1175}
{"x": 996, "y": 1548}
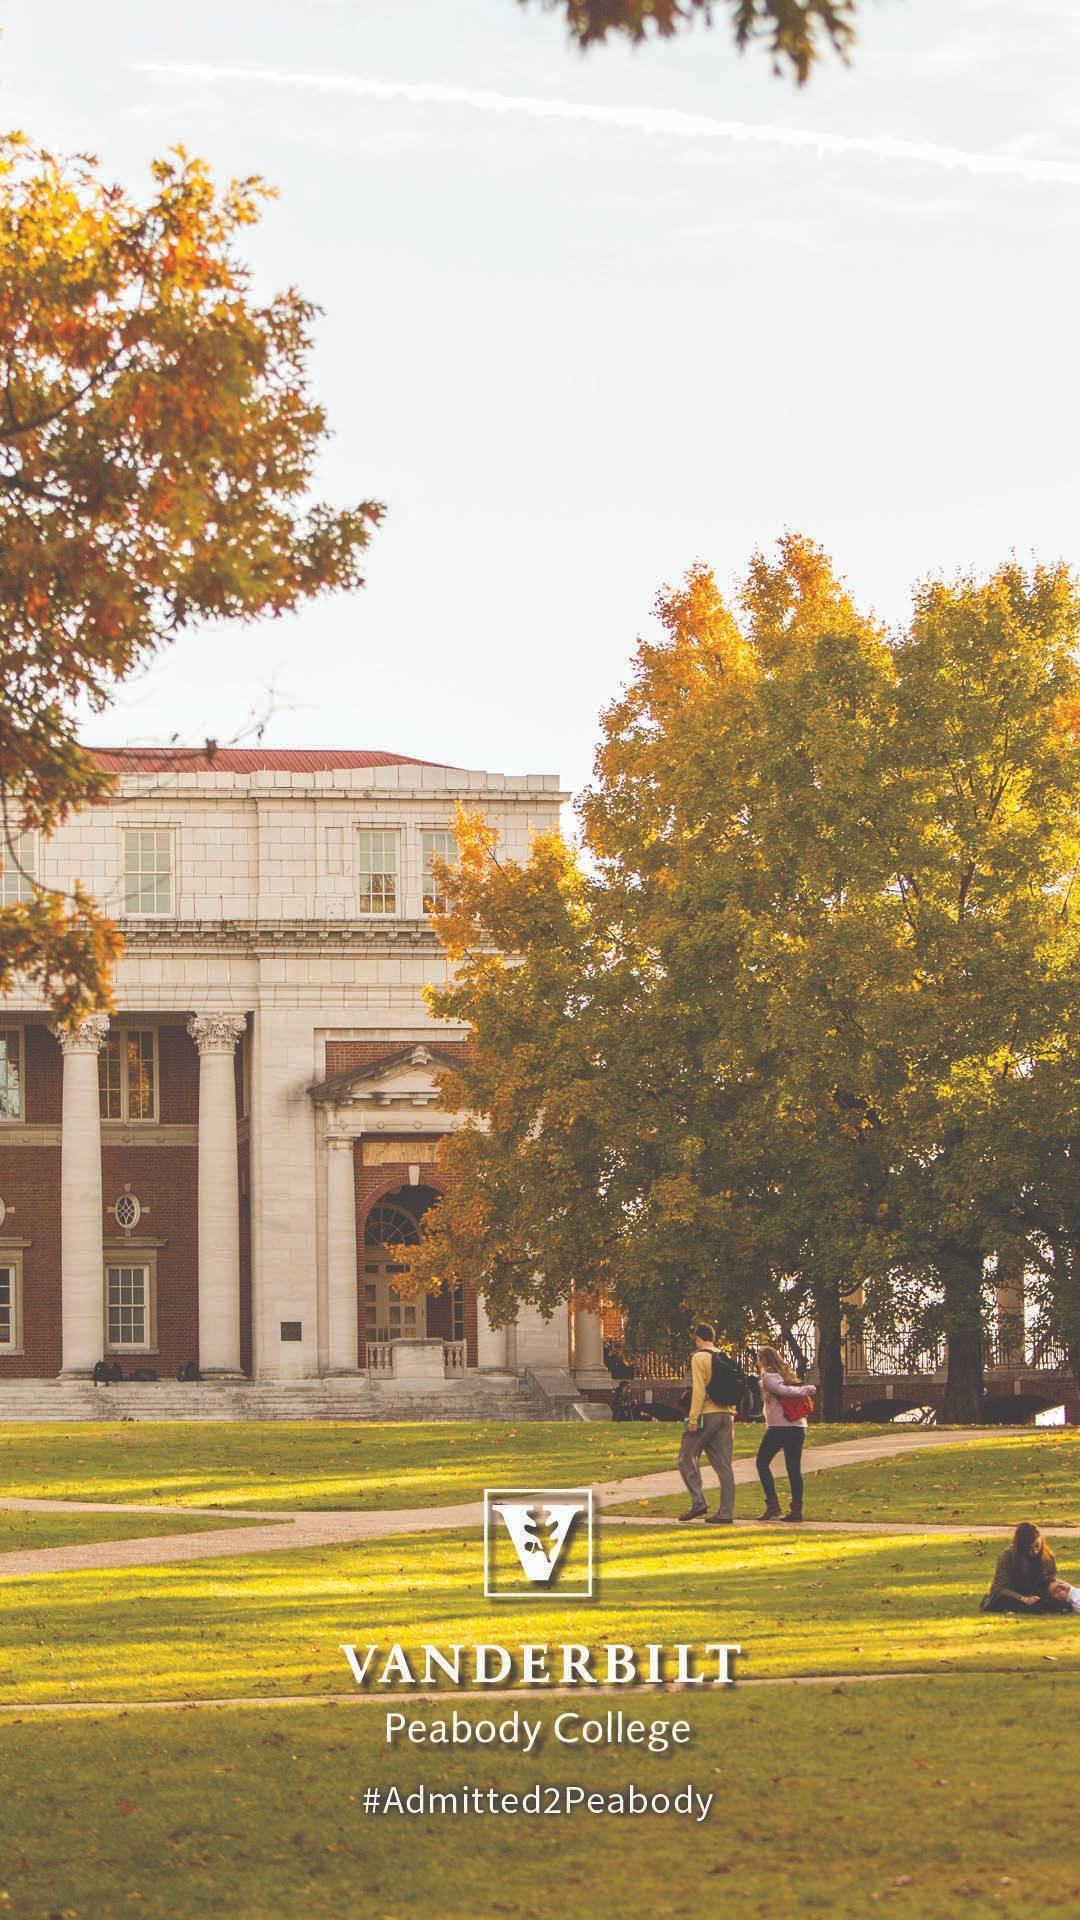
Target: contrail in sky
{"x": 651, "y": 121}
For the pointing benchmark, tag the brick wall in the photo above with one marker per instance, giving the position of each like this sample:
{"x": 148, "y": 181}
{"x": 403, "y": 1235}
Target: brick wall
{"x": 342, "y": 1055}
{"x": 163, "y": 1177}
{"x": 178, "y": 1070}
{"x": 165, "y": 1180}
{"x": 30, "y": 1183}
{"x": 43, "y": 1077}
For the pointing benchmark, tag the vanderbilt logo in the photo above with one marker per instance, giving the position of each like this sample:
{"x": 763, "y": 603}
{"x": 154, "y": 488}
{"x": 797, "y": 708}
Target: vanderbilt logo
{"x": 538, "y": 1540}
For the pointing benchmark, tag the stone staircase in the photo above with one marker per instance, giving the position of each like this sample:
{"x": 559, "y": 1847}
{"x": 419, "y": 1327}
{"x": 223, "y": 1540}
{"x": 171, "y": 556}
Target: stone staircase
{"x": 475, "y": 1396}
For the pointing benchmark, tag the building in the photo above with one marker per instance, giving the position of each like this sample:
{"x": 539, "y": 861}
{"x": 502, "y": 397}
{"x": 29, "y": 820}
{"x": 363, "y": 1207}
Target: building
{"x": 221, "y": 1171}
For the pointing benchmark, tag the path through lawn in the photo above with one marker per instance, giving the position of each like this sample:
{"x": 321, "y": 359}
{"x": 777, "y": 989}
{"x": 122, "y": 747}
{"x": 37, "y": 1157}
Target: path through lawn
{"x": 1029, "y": 1474}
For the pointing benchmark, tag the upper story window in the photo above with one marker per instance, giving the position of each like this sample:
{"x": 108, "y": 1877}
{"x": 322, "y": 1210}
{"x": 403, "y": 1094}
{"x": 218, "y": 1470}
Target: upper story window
{"x": 18, "y": 870}
{"x": 10, "y": 1073}
{"x": 148, "y": 878}
{"x": 377, "y": 870}
{"x": 127, "y": 1074}
{"x": 436, "y": 845}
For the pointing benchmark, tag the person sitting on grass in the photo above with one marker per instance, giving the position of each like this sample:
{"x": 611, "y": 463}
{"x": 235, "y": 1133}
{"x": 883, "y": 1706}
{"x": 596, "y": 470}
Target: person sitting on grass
{"x": 786, "y": 1403}
{"x": 1026, "y": 1578}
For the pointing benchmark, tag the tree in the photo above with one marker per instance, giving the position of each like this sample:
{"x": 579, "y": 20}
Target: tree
{"x": 768, "y": 1051}
{"x": 157, "y": 448}
{"x": 795, "y": 30}
{"x": 987, "y": 831}
{"x": 656, "y": 1123}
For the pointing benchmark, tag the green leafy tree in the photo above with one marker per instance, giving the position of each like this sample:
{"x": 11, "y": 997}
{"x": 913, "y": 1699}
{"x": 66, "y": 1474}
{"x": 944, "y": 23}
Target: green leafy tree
{"x": 763, "y": 1056}
{"x": 987, "y": 829}
{"x": 656, "y": 1126}
{"x": 158, "y": 442}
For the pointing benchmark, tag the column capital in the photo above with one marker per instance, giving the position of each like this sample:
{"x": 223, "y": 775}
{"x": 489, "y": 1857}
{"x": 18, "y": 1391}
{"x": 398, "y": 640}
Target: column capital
{"x": 341, "y": 1140}
{"x": 85, "y": 1036}
{"x": 216, "y": 1032}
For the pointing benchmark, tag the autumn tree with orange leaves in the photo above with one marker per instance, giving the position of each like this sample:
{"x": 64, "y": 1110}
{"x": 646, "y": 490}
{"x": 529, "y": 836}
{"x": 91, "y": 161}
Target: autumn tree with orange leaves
{"x": 795, "y": 1043}
{"x": 158, "y": 442}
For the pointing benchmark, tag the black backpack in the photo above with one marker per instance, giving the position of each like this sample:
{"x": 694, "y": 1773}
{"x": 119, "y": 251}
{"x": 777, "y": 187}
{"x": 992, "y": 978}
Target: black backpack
{"x": 729, "y": 1386}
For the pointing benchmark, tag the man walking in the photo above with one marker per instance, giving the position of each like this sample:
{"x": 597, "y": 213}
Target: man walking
{"x": 710, "y": 1426}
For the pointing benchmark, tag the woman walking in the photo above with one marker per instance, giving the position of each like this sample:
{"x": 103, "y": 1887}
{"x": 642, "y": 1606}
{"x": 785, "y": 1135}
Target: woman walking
{"x": 786, "y": 1403}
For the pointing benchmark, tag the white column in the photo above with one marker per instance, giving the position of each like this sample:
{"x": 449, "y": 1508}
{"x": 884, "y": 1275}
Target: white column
{"x": 216, "y": 1035}
{"x": 589, "y": 1368}
{"x": 1010, "y": 1310}
{"x": 82, "y": 1276}
{"x": 492, "y": 1343}
{"x": 343, "y": 1350}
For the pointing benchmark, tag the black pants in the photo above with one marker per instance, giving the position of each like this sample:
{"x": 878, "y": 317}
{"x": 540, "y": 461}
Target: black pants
{"x": 789, "y": 1441}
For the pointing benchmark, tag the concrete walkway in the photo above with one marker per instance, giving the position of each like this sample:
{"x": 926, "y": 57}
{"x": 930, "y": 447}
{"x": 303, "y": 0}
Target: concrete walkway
{"x": 221, "y": 1703}
{"x": 337, "y": 1528}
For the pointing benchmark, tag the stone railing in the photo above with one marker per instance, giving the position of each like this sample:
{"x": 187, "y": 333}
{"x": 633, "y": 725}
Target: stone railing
{"x": 417, "y": 1357}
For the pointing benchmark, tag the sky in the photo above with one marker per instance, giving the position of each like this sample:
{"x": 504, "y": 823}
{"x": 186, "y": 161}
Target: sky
{"x": 590, "y": 319}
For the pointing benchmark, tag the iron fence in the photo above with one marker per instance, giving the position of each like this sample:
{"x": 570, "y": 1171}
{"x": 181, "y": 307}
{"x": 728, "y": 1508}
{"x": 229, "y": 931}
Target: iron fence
{"x": 906, "y": 1357}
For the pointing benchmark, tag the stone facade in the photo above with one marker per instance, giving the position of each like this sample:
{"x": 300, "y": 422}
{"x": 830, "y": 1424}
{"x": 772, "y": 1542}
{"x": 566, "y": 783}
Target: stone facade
{"x": 194, "y": 1178}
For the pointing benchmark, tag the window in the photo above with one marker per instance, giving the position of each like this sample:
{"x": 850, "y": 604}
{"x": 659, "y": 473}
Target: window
{"x": 127, "y": 1212}
{"x": 10, "y": 1073}
{"x": 436, "y": 846}
{"x": 127, "y": 1307}
{"x": 127, "y": 1074}
{"x": 10, "y": 1308}
{"x": 147, "y": 870}
{"x": 17, "y": 868}
{"x": 389, "y": 1225}
{"x": 376, "y": 868}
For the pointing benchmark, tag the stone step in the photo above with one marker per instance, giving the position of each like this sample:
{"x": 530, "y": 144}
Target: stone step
{"x": 471, "y": 1398}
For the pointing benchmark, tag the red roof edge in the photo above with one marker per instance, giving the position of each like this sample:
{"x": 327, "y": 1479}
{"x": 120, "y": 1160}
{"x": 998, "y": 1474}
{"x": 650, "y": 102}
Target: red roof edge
{"x": 205, "y": 759}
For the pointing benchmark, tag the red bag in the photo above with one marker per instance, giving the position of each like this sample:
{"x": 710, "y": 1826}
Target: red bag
{"x": 797, "y": 1406}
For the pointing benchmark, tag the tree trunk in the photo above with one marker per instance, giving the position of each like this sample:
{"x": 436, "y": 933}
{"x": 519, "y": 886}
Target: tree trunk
{"x": 962, "y": 1275}
{"x": 830, "y": 1398}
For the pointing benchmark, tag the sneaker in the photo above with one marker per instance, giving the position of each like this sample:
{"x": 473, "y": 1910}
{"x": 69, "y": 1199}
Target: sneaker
{"x": 693, "y": 1513}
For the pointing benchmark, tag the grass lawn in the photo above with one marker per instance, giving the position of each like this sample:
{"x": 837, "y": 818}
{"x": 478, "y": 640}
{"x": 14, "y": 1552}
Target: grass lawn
{"x": 951, "y": 1793}
{"x": 19, "y": 1531}
{"x": 274, "y": 1623}
{"x": 893, "y": 1793}
{"x": 325, "y": 1464}
{"x": 1003, "y": 1478}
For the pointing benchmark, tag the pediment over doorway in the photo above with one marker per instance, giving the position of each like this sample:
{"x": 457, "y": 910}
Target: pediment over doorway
{"x": 407, "y": 1076}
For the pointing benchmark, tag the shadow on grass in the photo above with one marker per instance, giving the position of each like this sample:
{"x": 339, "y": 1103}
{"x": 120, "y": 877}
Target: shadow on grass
{"x": 275, "y": 1623}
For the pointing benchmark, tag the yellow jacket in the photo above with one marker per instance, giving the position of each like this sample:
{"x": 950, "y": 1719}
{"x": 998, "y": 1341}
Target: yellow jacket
{"x": 700, "y": 1370}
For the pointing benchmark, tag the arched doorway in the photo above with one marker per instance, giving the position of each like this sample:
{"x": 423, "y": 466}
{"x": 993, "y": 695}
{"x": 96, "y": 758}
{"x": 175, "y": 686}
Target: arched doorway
{"x": 393, "y": 1222}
